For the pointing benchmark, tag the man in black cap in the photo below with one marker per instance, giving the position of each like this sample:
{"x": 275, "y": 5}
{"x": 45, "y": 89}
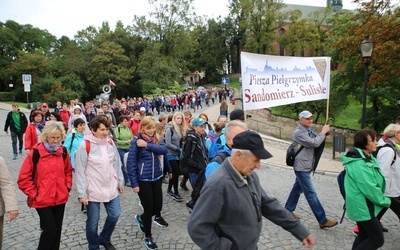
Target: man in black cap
{"x": 237, "y": 114}
{"x": 228, "y": 214}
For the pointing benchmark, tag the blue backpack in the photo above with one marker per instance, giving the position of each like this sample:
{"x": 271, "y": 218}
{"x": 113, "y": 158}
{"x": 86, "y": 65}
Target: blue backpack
{"x": 216, "y": 146}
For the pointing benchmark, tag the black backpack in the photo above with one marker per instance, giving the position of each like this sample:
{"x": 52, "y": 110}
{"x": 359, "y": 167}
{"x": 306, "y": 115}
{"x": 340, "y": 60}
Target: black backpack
{"x": 201, "y": 179}
{"x": 291, "y": 154}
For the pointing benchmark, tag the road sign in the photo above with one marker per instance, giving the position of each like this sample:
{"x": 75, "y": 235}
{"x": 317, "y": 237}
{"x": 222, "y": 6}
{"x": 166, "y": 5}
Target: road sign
{"x": 225, "y": 80}
{"x": 26, "y": 79}
{"x": 27, "y": 87}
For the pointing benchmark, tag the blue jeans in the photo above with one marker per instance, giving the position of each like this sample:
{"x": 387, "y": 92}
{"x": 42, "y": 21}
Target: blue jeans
{"x": 113, "y": 210}
{"x": 14, "y": 137}
{"x": 123, "y": 167}
{"x": 193, "y": 179}
{"x": 304, "y": 185}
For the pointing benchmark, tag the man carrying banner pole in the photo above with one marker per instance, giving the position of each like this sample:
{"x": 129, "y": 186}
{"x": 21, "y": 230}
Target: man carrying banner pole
{"x": 303, "y": 164}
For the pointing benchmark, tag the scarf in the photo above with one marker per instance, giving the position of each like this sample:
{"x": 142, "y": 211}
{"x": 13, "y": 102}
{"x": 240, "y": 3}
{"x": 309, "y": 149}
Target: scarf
{"x": 147, "y": 138}
{"x": 40, "y": 125}
{"x": 51, "y": 148}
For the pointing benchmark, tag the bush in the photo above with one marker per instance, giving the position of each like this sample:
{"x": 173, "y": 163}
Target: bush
{"x": 6, "y": 96}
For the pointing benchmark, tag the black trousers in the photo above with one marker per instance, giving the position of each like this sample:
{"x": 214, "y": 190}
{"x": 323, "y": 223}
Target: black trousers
{"x": 51, "y": 219}
{"x": 175, "y": 176}
{"x": 151, "y": 198}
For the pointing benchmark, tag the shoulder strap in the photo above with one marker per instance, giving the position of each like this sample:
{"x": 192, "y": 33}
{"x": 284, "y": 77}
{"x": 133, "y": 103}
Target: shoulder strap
{"x": 390, "y": 146}
{"x": 35, "y": 160}
{"x": 87, "y": 142}
{"x": 298, "y": 151}
{"x": 220, "y": 157}
{"x": 36, "y": 156}
{"x": 72, "y": 140}
{"x": 172, "y": 131}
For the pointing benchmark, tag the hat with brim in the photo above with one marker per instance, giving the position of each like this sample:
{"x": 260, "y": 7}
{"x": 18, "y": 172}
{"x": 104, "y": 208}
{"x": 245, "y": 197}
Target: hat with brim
{"x": 252, "y": 141}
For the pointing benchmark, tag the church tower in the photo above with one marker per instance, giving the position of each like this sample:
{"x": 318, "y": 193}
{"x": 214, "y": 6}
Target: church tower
{"x": 336, "y": 4}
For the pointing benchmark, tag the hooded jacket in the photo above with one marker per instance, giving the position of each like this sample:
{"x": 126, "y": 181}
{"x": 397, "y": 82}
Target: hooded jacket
{"x": 71, "y": 119}
{"x": 197, "y": 160}
{"x": 52, "y": 181}
{"x": 98, "y": 173}
{"x": 365, "y": 186}
{"x": 390, "y": 171}
{"x": 143, "y": 164}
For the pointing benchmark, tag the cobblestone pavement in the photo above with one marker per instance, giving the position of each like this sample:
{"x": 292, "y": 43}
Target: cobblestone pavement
{"x": 23, "y": 233}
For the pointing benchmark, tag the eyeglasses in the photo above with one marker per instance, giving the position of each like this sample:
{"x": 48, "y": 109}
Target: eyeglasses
{"x": 54, "y": 138}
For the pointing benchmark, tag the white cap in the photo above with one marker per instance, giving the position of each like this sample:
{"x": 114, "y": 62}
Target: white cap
{"x": 305, "y": 114}
{"x": 142, "y": 109}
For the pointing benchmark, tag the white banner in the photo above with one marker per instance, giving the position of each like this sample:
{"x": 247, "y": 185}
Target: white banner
{"x": 269, "y": 81}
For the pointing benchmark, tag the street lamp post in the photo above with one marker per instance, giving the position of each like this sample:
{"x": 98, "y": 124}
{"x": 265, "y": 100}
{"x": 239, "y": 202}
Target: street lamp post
{"x": 366, "y": 52}
{"x": 398, "y": 106}
{"x": 11, "y": 85}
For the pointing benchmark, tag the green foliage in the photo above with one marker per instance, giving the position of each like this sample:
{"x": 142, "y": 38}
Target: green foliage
{"x": 6, "y": 96}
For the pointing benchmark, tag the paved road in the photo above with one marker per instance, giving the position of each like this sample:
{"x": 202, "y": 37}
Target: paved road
{"x": 23, "y": 233}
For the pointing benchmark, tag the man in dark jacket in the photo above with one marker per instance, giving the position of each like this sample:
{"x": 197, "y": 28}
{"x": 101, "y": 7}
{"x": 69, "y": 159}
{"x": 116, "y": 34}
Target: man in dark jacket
{"x": 18, "y": 123}
{"x": 219, "y": 221}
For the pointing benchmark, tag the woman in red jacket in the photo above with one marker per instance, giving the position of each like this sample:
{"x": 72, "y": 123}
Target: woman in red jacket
{"x": 48, "y": 182}
{"x": 33, "y": 130}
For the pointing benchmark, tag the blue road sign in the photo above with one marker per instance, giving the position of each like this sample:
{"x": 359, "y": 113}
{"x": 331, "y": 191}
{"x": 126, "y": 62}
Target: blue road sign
{"x": 225, "y": 80}
{"x": 26, "y": 79}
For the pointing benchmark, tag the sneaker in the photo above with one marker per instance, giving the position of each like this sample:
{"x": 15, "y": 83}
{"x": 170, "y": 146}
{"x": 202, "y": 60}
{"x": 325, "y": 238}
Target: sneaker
{"x": 128, "y": 184}
{"x": 328, "y": 224}
{"x": 149, "y": 243}
{"x": 355, "y": 230}
{"x": 15, "y": 156}
{"x": 177, "y": 197}
{"x": 107, "y": 245}
{"x": 295, "y": 216}
{"x": 189, "y": 204}
{"x": 141, "y": 207}
{"x": 169, "y": 192}
{"x": 184, "y": 187}
{"x": 139, "y": 222}
{"x": 160, "y": 222}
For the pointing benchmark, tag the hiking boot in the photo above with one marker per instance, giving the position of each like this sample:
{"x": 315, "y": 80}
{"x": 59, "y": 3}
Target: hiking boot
{"x": 177, "y": 197}
{"x": 384, "y": 229}
{"x": 107, "y": 245}
{"x": 169, "y": 192}
{"x": 328, "y": 224}
{"x": 295, "y": 216}
{"x": 149, "y": 243}
{"x": 15, "y": 156}
{"x": 355, "y": 230}
{"x": 160, "y": 221}
{"x": 183, "y": 186}
{"x": 139, "y": 222}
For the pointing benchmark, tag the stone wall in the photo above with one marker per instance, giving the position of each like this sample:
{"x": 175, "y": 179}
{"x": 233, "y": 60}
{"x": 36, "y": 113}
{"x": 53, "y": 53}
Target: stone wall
{"x": 282, "y": 127}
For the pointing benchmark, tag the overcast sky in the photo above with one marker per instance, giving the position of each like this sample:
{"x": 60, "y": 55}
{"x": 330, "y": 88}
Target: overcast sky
{"x": 68, "y": 17}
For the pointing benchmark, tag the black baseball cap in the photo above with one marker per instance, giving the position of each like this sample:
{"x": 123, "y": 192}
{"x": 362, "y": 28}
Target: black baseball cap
{"x": 237, "y": 114}
{"x": 252, "y": 141}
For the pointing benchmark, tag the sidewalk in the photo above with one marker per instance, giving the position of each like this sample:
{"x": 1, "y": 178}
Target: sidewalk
{"x": 275, "y": 146}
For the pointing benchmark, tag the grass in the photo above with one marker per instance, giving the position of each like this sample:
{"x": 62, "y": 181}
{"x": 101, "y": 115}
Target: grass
{"x": 21, "y": 104}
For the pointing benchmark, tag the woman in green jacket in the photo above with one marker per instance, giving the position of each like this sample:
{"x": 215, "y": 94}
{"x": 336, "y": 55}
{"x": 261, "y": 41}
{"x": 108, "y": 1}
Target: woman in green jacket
{"x": 123, "y": 136}
{"x": 365, "y": 186}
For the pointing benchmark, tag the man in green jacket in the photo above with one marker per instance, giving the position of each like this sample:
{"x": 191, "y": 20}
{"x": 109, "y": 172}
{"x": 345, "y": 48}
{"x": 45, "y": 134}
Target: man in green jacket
{"x": 18, "y": 123}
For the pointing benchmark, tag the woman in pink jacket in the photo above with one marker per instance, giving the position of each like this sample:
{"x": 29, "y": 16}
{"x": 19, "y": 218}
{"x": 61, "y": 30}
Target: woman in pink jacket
{"x": 47, "y": 182}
